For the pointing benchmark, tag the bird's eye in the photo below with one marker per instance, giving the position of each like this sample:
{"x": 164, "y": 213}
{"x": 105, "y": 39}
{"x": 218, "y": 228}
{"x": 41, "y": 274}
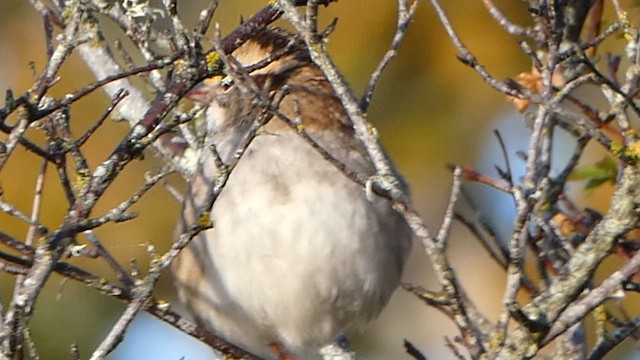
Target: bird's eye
{"x": 226, "y": 83}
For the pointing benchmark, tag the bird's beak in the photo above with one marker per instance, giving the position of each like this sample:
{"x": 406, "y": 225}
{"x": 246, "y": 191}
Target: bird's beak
{"x": 202, "y": 93}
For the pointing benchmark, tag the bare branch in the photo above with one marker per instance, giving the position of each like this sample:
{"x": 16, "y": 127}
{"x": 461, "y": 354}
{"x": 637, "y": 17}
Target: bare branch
{"x": 405, "y": 16}
{"x": 469, "y": 59}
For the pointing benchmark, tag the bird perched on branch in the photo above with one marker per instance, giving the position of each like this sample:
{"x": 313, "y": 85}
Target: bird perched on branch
{"x": 299, "y": 251}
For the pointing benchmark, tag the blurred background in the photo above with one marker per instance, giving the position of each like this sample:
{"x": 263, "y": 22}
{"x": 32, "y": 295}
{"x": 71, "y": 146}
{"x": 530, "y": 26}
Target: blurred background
{"x": 430, "y": 110}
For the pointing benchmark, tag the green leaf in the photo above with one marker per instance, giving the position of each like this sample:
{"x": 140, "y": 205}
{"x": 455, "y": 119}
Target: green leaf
{"x": 605, "y": 170}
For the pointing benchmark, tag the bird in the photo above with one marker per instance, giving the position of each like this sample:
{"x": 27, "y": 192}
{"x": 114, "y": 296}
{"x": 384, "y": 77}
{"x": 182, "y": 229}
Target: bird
{"x": 298, "y": 252}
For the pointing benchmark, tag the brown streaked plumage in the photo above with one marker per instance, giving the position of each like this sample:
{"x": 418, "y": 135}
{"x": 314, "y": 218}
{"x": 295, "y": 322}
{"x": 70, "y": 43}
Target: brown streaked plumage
{"x": 298, "y": 252}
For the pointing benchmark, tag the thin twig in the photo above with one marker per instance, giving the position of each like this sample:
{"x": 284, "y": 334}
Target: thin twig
{"x": 577, "y": 311}
{"x": 505, "y": 23}
{"x": 384, "y": 178}
{"x": 469, "y": 59}
{"x": 36, "y": 207}
{"x": 445, "y": 227}
{"x": 142, "y": 293}
{"x": 405, "y": 16}
{"x": 205, "y": 18}
{"x": 103, "y": 253}
{"x": 606, "y": 344}
{"x": 116, "y": 100}
{"x": 14, "y": 137}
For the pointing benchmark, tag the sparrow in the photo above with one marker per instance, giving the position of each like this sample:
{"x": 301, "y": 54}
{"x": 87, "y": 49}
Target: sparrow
{"x": 298, "y": 252}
